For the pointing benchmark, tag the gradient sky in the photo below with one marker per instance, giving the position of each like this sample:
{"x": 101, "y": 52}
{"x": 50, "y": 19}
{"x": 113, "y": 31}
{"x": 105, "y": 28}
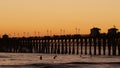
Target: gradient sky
{"x": 41, "y": 15}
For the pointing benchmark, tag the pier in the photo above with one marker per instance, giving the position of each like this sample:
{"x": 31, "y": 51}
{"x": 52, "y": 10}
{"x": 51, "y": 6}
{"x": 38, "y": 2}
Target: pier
{"x": 95, "y": 43}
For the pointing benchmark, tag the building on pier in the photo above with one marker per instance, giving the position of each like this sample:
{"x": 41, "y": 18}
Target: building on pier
{"x": 95, "y": 32}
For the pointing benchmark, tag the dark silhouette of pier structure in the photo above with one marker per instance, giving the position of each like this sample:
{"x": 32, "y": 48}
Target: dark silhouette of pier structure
{"x": 95, "y": 43}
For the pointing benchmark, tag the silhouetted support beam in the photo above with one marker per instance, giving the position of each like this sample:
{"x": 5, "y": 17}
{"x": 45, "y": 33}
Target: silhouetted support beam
{"x": 51, "y": 46}
{"x": 23, "y": 49}
{"x": 9, "y": 46}
{"x": 30, "y": 45}
{"x": 90, "y": 45}
{"x": 109, "y": 46}
{"x": 6, "y": 44}
{"x": 114, "y": 46}
{"x": 42, "y": 51}
{"x": 46, "y": 42}
{"x": 118, "y": 46}
{"x": 36, "y": 46}
{"x": 15, "y": 41}
{"x": 26, "y": 49}
{"x": 58, "y": 51}
{"x": 69, "y": 46}
{"x": 62, "y": 46}
{"x": 33, "y": 44}
{"x": 22, "y": 41}
{"x": 12, "y": 45}
{"x": 11, "y": 49}
{"x": 39, "y": 46}
{"x": 66, "y": 44}
{"x": 55, "y": 46}
{"x": 42, "y": 46}
{"x": 20, "y": 46}
{"x": 85, "y": 46}
{"x": 1, "y": 45}
{"x": 104, "y": 46}
{"x": 25, "y": 45}
{"x": 73, "y": 45}
{"x": 15, "y": 45}
{"x": 94, "y": 44}
{"x": 99, "y": 46}
{"x": 46, "y": 45}
{"x": 77, "y": 41}
{"x": 81, "y": 45}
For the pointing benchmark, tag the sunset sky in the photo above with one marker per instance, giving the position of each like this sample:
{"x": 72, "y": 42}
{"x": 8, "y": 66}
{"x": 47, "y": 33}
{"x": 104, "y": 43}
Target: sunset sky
{"x": 19, "y": 16}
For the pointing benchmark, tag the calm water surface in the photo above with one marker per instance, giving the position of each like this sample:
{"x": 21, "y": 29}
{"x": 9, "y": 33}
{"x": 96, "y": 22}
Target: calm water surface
{"x": 32, "y": 60}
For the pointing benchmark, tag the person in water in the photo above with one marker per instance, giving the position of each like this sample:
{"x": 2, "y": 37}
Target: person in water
{"x": 40, "y": 57}
{"x": 55, "y": 57}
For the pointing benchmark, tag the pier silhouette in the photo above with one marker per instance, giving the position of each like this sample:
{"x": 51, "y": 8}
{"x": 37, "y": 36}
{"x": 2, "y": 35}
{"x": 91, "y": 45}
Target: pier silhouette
{"x": 95, "y": 43}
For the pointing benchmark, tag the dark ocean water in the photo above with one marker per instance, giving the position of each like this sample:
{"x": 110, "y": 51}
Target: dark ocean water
{"x": 32, "y": 60}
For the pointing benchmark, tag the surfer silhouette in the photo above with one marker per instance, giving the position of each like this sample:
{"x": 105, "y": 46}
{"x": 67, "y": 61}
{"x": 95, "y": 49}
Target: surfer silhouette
{"x": 40, "y": 57}
{"x": 55, "y": 57}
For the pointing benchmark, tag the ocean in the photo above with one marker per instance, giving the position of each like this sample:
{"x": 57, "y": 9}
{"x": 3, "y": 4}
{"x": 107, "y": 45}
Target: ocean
{"x": 32, "y": 60}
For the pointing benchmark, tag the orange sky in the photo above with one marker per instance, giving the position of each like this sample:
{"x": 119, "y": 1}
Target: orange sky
{"x": 41, "y": 15}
